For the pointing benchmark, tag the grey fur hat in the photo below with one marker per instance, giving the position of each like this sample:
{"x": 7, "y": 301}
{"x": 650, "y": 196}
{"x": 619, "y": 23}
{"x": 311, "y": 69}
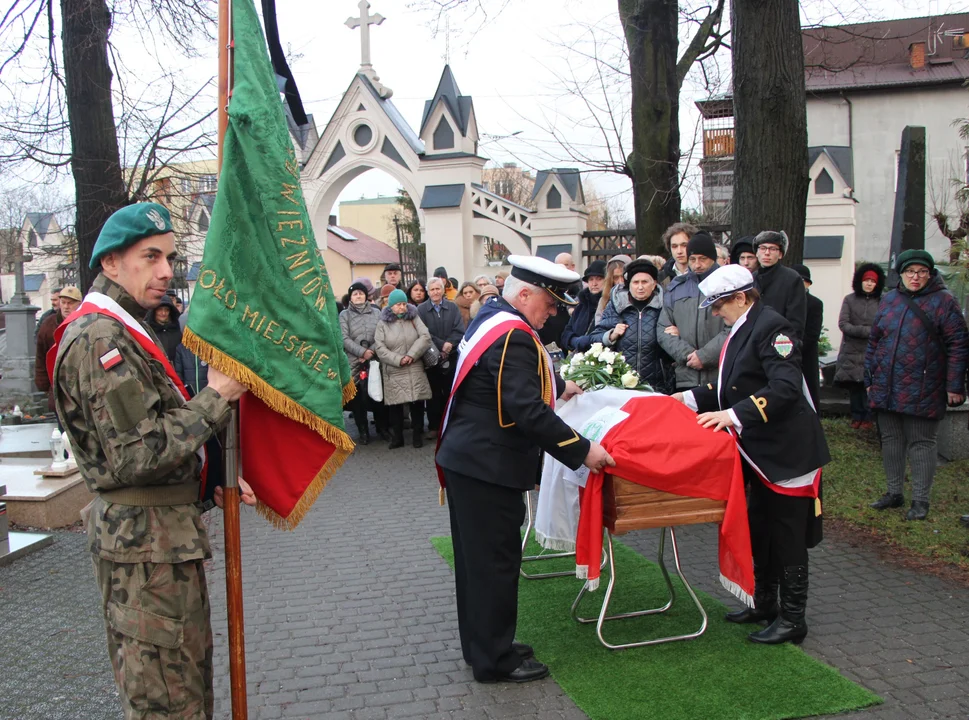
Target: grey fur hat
{"x": 775, "y": 237}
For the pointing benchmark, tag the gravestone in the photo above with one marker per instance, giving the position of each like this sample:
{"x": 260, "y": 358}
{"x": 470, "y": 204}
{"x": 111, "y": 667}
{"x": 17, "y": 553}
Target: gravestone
{"x": 17, "y": 383}
{"x": 908, "y": 224}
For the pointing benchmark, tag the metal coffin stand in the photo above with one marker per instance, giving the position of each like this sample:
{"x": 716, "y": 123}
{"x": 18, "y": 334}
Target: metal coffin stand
{"x": 629, "y": 506}
{"x": 542, "y": 555}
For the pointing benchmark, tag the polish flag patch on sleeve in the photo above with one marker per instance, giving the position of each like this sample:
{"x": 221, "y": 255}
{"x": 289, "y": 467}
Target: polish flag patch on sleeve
{"x": 111, "y": 359}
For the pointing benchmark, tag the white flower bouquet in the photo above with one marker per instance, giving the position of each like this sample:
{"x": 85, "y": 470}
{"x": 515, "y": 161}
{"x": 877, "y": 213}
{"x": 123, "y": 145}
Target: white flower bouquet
{"x": 600, "y": 367}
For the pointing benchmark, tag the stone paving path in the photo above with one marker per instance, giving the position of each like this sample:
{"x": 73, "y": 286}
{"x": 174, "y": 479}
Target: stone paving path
{"x": 352, "y": 616}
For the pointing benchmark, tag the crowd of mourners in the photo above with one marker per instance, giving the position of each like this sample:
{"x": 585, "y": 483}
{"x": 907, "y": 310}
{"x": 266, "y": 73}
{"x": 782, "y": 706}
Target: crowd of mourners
{"x": 903, "y": 356}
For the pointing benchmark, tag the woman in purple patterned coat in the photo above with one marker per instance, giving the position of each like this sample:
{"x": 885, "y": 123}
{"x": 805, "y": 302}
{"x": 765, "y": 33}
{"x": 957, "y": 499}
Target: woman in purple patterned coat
{"x": 915, "y": 367}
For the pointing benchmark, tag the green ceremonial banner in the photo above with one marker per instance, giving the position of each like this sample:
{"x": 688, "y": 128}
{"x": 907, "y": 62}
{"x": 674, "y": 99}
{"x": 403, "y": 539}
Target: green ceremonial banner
{"x": 263, "y": 311}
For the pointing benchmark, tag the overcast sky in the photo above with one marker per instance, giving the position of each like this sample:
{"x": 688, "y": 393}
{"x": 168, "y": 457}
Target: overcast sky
{"x": 512, "y": 64}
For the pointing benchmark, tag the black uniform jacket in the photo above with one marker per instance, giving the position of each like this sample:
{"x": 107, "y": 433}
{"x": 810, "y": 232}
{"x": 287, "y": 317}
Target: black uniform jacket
{"x": 781, "y": 433}
{"x": 782, "y": 289}
{"x": 812, "y": 338}
{"x": 499, "y": 424}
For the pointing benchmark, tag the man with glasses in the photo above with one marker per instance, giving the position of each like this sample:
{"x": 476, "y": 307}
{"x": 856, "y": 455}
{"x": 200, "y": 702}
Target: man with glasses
{"x": 781, "y": 288}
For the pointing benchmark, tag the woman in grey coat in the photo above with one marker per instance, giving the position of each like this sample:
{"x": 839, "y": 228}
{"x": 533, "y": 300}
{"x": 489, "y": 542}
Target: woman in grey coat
{"x": 358, "y": 323}
{"x": 401, "y": 339}
{"x": 857, "y": 315}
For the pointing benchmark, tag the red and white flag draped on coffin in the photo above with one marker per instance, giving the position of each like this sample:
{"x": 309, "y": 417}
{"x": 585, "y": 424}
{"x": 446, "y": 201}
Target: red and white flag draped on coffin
{"x": 660, "y": 445}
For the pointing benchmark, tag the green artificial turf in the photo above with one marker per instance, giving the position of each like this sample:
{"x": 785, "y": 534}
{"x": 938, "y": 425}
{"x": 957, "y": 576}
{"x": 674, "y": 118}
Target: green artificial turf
{"x": 718, "y": 676}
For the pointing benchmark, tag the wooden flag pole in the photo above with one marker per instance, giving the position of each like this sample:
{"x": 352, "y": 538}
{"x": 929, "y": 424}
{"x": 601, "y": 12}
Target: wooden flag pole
{"x": 233, "y": 543}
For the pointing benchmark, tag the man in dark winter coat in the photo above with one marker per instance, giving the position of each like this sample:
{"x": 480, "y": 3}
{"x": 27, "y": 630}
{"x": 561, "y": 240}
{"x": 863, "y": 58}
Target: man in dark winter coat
{"x": 813, "y": 327}
{"x": 68, "y": 300}
{"x": 163, "y": 321}
{"x": 691, "y": 335}
{"x": 781, "y": 288}
{"x": 577, "y": 336}
{"x": 443, "y": 320}
{"x": 915, "y": 366}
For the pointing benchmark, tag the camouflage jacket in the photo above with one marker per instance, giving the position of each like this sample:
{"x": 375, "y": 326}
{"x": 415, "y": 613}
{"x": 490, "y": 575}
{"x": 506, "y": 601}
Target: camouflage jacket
{"x": 129, "y": 426}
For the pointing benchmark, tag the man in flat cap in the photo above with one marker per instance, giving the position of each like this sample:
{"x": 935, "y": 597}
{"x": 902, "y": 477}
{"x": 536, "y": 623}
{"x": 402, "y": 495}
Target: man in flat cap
{"x": 499, "y": 421}
{"x": 68, "y": 298}
{"x": 137, "y": 441}
{"x": 392, "y": 275}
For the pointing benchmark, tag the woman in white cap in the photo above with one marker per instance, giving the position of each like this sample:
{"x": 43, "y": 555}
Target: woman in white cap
{"x": 761, "y": 399}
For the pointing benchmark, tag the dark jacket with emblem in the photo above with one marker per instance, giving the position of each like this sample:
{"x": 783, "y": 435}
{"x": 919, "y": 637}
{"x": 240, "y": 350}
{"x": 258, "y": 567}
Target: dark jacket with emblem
{"x": 907, "y": 370}
{"x": 761, "y": 382}
{"x": 782, "y": 289}
{"x": 499, "y": 424}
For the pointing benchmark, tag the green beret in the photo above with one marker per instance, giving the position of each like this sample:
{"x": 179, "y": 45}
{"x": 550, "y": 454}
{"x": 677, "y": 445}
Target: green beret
{"x": 129, "y": 225}
{"x": 397, "y": 296}
{"x": 914, "y": 257}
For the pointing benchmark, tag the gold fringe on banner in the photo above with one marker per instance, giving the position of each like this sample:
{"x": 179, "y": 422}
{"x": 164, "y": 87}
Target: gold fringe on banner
{"x": 286, "y": 406}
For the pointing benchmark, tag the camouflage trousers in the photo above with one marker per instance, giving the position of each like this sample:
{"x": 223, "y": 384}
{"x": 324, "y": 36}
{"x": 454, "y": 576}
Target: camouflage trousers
{"x": 159, "y": 637}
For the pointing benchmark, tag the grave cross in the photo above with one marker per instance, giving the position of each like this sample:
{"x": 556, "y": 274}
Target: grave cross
{"x": 364, "y": 22}
{"x": 19, "y": 258}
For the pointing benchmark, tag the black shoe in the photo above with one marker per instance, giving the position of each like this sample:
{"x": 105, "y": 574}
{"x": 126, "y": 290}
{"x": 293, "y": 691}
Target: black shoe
{"x": 964, "y": 521}
{"x": 765, "y": 599}
{"x": 365, "y": 439}
{"x": 918, "y": 511}
{"x": 418, "y": 439}
{"x": 790, "y": 625}
{"x": 888, "y": 500}
{"x": 526, "y": 651}
{"x": 529, "y": 670}
{"x": 752, "y": 615}
{"x": 397, "y": 441}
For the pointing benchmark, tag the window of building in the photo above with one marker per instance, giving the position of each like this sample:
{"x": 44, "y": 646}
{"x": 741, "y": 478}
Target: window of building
{"x": 443, "y": 135}
{"x": 824, "y": 184}
{"x": 203, "y": 223}
{"x": 207, "y": 183}
{"x": 31, "y": 238}
{"x": 553, "y": 200}
{"x": 186, "y": 185}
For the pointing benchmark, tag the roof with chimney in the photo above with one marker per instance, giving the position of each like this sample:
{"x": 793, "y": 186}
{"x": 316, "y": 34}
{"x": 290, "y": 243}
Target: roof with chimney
{"x": 358, "y": 247}
{"x": 910, "y": 52}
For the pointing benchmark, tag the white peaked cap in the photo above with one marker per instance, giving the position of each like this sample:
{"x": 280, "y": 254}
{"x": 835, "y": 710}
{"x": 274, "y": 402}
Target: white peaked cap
{"x": 725, "y": 281}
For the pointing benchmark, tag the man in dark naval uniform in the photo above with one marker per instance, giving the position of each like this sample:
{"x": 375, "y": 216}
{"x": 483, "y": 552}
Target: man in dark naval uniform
{"x": 499, "y": 422}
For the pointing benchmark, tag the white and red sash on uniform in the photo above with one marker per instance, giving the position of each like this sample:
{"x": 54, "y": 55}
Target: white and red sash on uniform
{"x": 803, "y": 486}
{"x": 100, "y": 304}
{"x": 470, "y": 351}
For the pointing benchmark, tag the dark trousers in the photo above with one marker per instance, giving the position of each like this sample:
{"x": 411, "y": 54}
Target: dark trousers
{"x": 778, "y": 526}
{"x": 486, "y": 522}
{"x": 361, "y": 403}
{"x": 396, "y": 417}
{"x": 859, "y": 402}
{"x": 440, "y": 381}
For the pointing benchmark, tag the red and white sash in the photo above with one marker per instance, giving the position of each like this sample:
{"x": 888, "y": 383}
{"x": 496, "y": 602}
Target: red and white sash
{"x": 101, "y": 304}
{"x": 471, "y": 349}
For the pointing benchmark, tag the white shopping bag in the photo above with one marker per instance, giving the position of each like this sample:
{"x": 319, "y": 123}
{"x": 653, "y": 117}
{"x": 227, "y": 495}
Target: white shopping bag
{"x": 375, "y": 388}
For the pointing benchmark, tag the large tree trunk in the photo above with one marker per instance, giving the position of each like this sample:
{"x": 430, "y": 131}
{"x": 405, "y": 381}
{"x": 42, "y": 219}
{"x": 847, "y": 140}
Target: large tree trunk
{"x": 98, "y": 183}
{"x": 770, "y": 117}
{"x": 650, "y": 27}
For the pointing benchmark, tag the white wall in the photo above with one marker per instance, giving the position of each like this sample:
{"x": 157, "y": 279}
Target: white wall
{"x": 877, "y": 121}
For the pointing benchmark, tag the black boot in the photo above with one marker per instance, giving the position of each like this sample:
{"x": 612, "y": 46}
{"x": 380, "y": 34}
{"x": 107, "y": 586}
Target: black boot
{"x": 765, "y": 600}
{"x": 918, "y": 511}
{"x": 964, "y": 521}
{"x": 396, "y": 428}
{"x": 888, "y": 500}
{"x": 364, "y": 434}
{"x": 789, "y": 626}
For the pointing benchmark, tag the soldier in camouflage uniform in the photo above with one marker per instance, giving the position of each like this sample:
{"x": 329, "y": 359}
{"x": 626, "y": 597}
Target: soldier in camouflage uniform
{"x": 136, "y": 441}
